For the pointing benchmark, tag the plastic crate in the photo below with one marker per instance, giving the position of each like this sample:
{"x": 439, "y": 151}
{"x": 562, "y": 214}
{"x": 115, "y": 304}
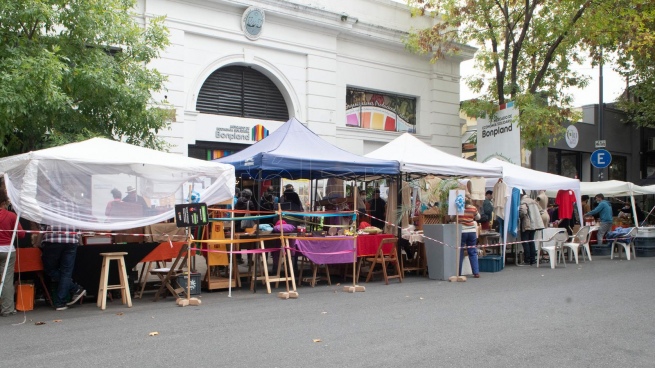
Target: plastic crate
{"x": 600, "y": 250}
{"x": 490, "y": 263}
{"x": 195, "y": 282}
{"x": 645, "y": 252}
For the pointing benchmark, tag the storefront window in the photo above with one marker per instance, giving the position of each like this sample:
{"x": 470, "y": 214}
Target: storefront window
{"x": 564, "y": 163}
{"x": 618, "y": 168}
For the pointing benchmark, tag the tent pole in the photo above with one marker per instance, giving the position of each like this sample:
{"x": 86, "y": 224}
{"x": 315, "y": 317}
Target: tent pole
{"x": 634, "y": 210}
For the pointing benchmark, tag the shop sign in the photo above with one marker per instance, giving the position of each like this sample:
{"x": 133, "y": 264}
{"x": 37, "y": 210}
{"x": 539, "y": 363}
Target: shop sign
{"x": 499, "y": 136}
{"x": 252, "y": 22}
{"x": 572, "y": 136}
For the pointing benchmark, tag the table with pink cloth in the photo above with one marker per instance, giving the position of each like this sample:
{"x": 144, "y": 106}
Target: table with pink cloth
{"x": 327, "y": 250}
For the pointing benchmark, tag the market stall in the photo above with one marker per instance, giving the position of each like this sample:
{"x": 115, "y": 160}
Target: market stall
{"x": 87, "y": 176}
{"x": 515, "y": 176}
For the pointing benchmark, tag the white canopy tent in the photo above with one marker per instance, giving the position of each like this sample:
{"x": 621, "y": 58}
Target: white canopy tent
{"x": 415, "y": 156}
{"x": 616, "y": 188}
{"x": 85, "y": 173}
{"x": 527, "y": 179}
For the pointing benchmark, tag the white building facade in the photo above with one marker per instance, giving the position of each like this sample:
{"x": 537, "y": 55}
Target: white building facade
{"x": 238, "y": 69}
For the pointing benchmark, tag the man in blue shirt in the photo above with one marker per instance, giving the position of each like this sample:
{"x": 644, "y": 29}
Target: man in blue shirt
{"x": 604, "y": 210}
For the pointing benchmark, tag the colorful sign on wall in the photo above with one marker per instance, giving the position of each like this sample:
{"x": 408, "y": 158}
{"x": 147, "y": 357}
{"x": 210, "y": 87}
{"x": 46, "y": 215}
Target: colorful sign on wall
{"x": 380, "y": 111}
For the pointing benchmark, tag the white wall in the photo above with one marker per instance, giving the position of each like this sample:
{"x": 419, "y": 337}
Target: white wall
{"x": 313, "y": 50}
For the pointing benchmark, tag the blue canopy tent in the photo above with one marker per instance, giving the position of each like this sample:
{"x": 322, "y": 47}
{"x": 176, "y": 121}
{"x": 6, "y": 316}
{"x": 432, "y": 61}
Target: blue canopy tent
{"x": 295, "y": 152}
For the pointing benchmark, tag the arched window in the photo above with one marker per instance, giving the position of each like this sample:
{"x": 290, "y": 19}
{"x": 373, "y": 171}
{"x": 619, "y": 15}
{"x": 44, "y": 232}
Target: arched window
{"x": 244, "y": 92}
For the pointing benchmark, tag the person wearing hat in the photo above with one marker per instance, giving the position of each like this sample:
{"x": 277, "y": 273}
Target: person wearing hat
{"x": 378, "y": 209}
{"x": 132, "y": 197}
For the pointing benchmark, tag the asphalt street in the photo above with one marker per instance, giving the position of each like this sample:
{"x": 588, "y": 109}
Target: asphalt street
{"x": 596, "y": 314}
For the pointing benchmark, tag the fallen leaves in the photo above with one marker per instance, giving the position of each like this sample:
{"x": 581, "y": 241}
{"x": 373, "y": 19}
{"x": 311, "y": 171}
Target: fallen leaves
{"x": 119, "y": 313}
{"x": 155, "y": 333}
{"x": 317, "y": 340}
{"x": 57, "y": 321}
{"x": 39, "y": 323}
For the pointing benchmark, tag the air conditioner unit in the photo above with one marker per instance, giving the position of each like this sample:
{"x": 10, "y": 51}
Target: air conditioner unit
{"x": 651, "y": 144}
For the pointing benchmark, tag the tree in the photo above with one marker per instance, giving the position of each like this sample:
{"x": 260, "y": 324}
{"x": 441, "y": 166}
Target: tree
{"x": 635, "y": 48}
{"x": 526, "y": 50}
{"x": 71, "y": 70}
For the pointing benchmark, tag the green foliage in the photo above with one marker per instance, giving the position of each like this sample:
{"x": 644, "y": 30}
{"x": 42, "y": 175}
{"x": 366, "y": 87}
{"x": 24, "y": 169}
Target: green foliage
{"x": 635, "y": 49}
{"x": 526, "y": 53}
{"x": 71, "y": 70}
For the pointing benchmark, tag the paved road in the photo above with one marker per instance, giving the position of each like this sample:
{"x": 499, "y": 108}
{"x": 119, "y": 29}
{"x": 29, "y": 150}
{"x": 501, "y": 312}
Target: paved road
{"x": 597, "y": 314}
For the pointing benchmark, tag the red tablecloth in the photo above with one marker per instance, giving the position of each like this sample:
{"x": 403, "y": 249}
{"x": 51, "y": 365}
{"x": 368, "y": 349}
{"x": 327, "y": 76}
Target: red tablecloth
{"x": 367, "y": 245}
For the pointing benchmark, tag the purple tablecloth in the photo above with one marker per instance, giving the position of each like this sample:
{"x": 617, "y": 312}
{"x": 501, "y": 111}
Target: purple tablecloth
{"x": 322, "y": 250}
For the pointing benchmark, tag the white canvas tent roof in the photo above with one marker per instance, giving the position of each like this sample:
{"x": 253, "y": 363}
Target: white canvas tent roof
{"x": 415, "y": 156}
{"x": 614, "y": 188}
{"x": 523, "y": 178}
{"x": 86, "y": 172}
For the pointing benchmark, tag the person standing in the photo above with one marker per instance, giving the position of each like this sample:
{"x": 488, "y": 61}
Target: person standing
{"x": 487, "y": 211}
{"x": 378, "y": 209}
{"x": 59, "y": 248}
{"x": 132, "y": 197}
{"x": 116, "y": 194}
{"x": 7, "y": 254}
{"x": 604, "y": 210}
{"x": 290, "y": 201}
{"x": 531, "y": 221}
{"x": 585, "y": 204}
{"x": 469, "y": 236}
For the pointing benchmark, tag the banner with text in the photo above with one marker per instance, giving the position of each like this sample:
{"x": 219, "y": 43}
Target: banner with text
{"x": 500, "y": 137}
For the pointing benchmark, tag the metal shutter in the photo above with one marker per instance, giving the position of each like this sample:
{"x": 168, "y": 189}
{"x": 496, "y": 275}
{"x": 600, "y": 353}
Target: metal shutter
{"x": 244, "y": 92}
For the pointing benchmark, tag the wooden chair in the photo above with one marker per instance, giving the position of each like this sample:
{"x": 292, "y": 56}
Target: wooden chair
{"x": 168, "y": 275}
{"x": 314, "y": 268}
{"x": 164, "y": 253}
{"x": 29, "y": 260}
{"x": 383, "y": 260}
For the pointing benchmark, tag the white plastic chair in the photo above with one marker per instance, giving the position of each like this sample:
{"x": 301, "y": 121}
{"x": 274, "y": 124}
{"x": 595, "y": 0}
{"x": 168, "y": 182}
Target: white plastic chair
{"x": 580, "y": 239}
{"x": 551, "y": 242}
{"x": 627, "y": 242}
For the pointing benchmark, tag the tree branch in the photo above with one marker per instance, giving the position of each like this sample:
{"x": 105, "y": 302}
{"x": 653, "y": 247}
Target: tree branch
{"x": 551, "y": 51}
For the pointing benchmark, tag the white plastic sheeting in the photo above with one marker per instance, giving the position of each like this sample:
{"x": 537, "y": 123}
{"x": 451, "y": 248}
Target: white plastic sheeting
{"x": 85, "y": 173}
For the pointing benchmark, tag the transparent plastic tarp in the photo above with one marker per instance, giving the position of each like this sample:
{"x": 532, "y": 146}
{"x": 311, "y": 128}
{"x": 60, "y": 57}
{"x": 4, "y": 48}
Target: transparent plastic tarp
{"x": 101, "y": 184}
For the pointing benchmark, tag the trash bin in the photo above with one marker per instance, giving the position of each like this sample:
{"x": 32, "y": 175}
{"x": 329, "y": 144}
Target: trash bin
{"x": 441, "y": 258}
{"x": 25, "y": 297}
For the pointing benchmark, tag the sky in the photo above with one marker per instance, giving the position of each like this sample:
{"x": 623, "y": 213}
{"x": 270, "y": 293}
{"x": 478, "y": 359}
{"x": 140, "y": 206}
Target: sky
{"x": 613, "y": 85}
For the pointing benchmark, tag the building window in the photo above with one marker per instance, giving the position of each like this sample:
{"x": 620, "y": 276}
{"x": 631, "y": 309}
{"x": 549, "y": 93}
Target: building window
{"x": 244, "y": 92}
{"x": 564, "y": 163}
{"x": 618, "y": 168}
{"x": 380, "y": 111}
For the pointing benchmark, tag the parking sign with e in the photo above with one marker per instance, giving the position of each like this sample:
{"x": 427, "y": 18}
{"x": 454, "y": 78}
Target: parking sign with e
{"x": 601, "y": 158}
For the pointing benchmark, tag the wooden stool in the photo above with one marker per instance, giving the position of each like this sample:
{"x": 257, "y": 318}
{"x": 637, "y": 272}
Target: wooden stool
{"x": 104, "y": 277}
